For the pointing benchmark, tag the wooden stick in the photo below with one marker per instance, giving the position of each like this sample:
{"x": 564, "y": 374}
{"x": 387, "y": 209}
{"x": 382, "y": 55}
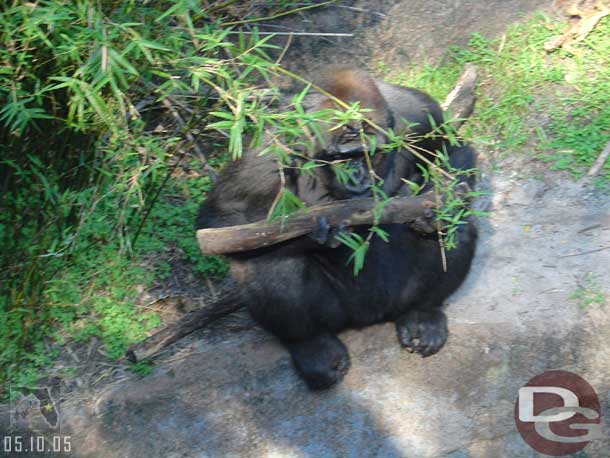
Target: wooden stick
{"x": 415, "y": 210}
{"x": 579, "y": 30}
{"x": 460, "y": 101}
{"x": 599, "y": 162}
{"x": 227, "y": 302}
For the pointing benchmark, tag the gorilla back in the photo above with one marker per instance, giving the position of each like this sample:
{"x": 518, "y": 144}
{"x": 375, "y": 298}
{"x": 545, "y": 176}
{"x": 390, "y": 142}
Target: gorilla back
{"x": 302, "y": 290}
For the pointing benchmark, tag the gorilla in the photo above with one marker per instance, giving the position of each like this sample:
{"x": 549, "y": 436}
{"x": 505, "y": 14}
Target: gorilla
{"x": 302, "y": 290}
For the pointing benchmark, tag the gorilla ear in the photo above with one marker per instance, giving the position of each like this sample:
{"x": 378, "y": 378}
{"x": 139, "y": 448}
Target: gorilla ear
{"x": 352, "y": 85}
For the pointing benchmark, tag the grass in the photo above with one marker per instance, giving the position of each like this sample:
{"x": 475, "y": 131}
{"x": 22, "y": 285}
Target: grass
{"x": 90, "y": 193}
{"x": 94, "y": 201}
{"x": 589, "y": 292}
{"x": 551, "y": 106}
{"x": 93, "y": 290}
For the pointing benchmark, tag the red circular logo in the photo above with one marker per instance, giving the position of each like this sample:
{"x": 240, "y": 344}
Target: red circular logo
{"x": 558, "y": 413}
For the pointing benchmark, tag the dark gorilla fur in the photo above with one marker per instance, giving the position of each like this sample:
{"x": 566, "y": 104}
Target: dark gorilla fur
{"x": 302, "y": 290}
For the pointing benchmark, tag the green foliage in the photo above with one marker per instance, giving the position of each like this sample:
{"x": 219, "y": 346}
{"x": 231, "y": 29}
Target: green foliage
{"x": 141, "y": 368}
{"x": 359, "y": 246}
{"x": 285, "y": 204}
{"x": 552, "y": 105}
{"x": 437, "y": 81}
{"x": 454, "y": 209}
{"x": 90, "y": 191}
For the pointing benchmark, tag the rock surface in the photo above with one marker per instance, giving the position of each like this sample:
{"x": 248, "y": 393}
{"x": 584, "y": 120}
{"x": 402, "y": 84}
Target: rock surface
{"x": 236, "y": 394}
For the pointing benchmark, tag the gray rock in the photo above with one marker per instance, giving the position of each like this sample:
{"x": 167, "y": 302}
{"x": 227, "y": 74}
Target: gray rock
{"x": 238, "y": 396}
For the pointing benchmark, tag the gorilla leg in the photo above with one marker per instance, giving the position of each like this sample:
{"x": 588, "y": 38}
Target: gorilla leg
{"x": 318, "y": 355}
{"x": 422, "y": 331}
{"x": 293, "y": 300}
{"x": 322, "y": 361}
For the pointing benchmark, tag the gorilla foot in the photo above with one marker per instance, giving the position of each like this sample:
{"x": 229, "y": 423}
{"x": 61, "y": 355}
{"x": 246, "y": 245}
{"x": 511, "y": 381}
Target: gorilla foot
{"x": 423, "y": 332}
{"x": 321, "y": 361}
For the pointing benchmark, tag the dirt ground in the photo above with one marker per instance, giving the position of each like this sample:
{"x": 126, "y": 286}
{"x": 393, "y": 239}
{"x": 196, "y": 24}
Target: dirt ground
{"x": 397, "y": 33}
{"x": 544, "y": 252}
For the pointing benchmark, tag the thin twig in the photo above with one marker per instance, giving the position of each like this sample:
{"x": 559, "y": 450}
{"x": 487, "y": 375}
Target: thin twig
{"x": 599, "y": 162}
{"x": 279, "y": 193}
{"x": 157, "y": 193}
{"x": 187, "y": 133}
{"x": 362, "y": 10}
{"x": 585, "y": 252}
{"x": 221, "y": 6}
{"x": 579, "y": 30}
{"x": 304, "y": 34}
{"x": 285, "y": 13}
{"x": 502, "y": 43}
{"x": 589, "y": 228}
{"x": 286, "y": 46}
{"x": 439, "y": 232}
{"x": 292, "y": 29}
{"x": 182, "y": 125}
